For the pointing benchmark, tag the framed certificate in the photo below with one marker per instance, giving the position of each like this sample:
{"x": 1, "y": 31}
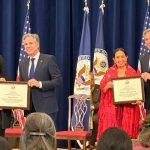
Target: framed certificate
{"x": 14, "y": 95}
{"x": 128, "y": 89}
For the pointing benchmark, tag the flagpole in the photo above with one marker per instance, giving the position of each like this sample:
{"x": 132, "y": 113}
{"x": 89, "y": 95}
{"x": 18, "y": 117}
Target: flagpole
{"x": 102, "y": 6}
{"x": 28, "y": 4}
{"x": 102, "y": 1}
{"x": 85, "y": 3}
{"x": 86, "y": 9}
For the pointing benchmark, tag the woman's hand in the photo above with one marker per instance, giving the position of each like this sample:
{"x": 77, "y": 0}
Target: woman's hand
{"x": 2, "y": 80}
{"x": 109, "y": 85}
{"x": 137, "y": 103}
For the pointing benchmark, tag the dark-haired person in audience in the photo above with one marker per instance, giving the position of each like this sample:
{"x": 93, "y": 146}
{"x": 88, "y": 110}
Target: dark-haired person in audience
{"x": 126, "y": 116}
{"x": 38, "y": 133}
{"x": 4, "y": 144}
{"x": 114, "y": 139}
{"x": 5, "y": 114}
{"x": 144, "y": 136}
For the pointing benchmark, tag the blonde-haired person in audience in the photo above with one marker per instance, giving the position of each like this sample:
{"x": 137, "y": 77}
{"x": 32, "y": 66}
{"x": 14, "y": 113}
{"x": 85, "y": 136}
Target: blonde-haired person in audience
{"x": 38, "y": 133}
{"x": 144, "y": 136}
{"x": 4, "y": 144}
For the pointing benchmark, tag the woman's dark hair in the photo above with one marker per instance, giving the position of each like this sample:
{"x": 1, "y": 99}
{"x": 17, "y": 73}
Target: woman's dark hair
{"x": 144, "y": 135}
{"x": 114, "y": 139}
{"x": 38, "y": 133}
{"x": 119, "y": 49}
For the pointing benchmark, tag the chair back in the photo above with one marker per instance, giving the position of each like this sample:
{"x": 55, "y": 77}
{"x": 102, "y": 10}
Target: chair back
{"x": 78, "y": 114}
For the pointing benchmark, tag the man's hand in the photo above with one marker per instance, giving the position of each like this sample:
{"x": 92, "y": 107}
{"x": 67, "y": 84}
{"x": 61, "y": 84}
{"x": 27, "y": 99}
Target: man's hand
{"x": 2, "y": 79}
{"x": 34, "y": 82}
{"x": 145, "y": 76}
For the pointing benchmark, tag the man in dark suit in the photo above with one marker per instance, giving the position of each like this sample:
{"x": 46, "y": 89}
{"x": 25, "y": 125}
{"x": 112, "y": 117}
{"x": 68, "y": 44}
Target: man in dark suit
{"x": 145, "y": 70}
{"x": 43, "y": 76}
{"x": 5, "y": 114}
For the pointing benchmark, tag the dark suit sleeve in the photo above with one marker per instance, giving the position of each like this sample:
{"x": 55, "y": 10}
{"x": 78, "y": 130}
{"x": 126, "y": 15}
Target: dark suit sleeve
{"x": 2, "y": 69}
{"x": 5, "y": 114}
{"x": 1, "y": 66}
{"x": 144, "y": 63}
{"x": 55, "y": 75}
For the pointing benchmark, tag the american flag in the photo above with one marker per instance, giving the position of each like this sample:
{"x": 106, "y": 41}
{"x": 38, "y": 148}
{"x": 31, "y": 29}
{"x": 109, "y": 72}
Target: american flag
{"x": 26, "y": 29}
{"x": 143, "y": 49}
{"x": 19, "y": 113}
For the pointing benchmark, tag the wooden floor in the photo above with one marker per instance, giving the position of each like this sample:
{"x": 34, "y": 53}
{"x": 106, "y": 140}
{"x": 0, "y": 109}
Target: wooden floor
{"x": 133, "y": 140}
{"x": 15, "y": 143}
{"x": 57, "y": 149}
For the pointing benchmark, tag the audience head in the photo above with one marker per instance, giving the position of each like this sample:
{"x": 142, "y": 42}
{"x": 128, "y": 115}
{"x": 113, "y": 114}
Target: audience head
{"x": 114, "y": 139}
{"x": 144, "y": 135}
{"x": 4, "y": 144}
{"x": 120, "y": 57}
{"x": 38, "y": 133}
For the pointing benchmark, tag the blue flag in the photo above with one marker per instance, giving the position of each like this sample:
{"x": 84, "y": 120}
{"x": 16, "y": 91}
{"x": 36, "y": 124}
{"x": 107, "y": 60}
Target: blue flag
{"x": 82, "y": 86}
{"x": 143, "y": 49}
{"x": 82, "y": 81}
{"x": 100, "y": 61}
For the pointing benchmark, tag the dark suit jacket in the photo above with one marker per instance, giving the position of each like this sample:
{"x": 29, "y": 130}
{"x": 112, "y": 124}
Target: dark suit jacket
{"x": 96, "y": 98}
{"x": 145, "y": 68}
{"x": 5, "y": 114}
{"x": 47, "y": 71}
{"x": 145, "y": 63}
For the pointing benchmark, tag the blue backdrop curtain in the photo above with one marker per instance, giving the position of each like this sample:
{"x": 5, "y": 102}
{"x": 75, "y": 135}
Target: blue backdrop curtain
{"x": 59, "y": 25}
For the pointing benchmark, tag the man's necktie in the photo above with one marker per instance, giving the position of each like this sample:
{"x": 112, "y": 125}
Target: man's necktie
{"x": 32, "y": 69}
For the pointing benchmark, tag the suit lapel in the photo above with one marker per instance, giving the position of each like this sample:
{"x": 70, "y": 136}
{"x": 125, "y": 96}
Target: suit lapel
{"x": 26, "y": 66}
{"x": 39, "y": 63}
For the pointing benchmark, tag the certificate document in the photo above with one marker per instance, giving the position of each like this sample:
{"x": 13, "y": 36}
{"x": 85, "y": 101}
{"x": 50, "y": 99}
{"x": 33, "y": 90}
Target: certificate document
{"x": 14, "y": 95}
{"x": 128, "y": 89}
